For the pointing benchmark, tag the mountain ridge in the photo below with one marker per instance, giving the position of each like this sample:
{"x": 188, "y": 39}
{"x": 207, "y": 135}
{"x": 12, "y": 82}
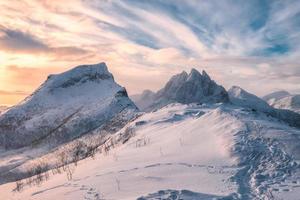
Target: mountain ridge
{"x": 185, "y": 88}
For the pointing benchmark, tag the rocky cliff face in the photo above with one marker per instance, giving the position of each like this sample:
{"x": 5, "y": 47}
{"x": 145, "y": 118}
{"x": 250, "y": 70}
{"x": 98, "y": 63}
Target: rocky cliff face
{"x": 66, "y": 106}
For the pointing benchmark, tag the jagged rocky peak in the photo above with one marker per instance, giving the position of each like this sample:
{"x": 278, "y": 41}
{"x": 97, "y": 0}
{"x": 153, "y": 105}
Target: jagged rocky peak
{"x": 193, "y": 88}
{"x": 185, "y": 88}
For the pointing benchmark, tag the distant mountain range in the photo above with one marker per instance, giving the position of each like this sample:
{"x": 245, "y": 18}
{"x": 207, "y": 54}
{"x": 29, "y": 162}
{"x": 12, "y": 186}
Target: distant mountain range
{"x": 284, "y": 100}
{"x": 200, "y": 88}
{"x": 86, "y": 98}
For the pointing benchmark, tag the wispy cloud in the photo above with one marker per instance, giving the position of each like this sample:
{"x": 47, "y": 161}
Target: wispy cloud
{"x": 22, "y": 93}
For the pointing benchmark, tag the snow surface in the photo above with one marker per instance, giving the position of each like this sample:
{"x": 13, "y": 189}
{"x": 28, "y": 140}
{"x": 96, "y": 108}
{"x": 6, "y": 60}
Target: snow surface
{"x": 187, "y": 151}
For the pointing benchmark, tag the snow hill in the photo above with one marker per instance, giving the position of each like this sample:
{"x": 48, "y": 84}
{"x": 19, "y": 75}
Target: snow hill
{"x": 217, "y": 151}
{"x": 183, "y": 88}
{"x": 65, "y": 107}
{"x": 284, "y": 100}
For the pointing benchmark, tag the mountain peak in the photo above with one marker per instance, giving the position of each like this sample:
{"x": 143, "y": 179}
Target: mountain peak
{"x": 186, "y": 88}
{"x": 86, "y": 94}
{"x": 183, "y": 75}
{"x": 194, "y": 71}
{"x": 204, "y": 74}
{"x": 193, "y": 88}
{"x": 80, "y": 74}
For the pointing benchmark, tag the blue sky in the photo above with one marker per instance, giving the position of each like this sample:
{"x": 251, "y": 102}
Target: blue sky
{"x": 254, "y": 44}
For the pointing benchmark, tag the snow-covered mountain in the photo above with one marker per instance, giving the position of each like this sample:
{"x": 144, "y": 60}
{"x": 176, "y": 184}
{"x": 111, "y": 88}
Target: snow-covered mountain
{"x": 284, "y": 100}
{"x": 291, "y": 102}
{"x": 242, "y": 98}
{"x": 184, "y": 88}
{"x": 201, "y": 142}
{"x": 274, "y": 96}
{"x": 66, "y": 106}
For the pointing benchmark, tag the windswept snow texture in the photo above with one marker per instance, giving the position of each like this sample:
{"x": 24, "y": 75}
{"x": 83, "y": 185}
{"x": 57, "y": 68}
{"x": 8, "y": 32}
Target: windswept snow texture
{"x": 66, "y": 106}
{"x": 175, "y": 194}
{"x": 187, "y": 152}
{"x": 242, "y": 98}
{"x": 184, "y": 88}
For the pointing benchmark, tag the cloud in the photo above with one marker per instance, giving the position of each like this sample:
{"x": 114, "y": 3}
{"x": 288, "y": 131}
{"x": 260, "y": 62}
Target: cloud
{"x": 4, "y": 92}
{"x": 20, "y": 42}
{"x": 254, "y": 44}
{"x": 17, "y": 41}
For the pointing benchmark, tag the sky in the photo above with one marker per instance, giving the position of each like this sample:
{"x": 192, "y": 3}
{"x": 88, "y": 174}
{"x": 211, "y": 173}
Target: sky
{"x": 254, "y": 44}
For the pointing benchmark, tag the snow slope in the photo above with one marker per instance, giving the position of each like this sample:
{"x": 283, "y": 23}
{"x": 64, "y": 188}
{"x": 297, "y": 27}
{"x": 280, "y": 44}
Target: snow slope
{"x": 66, "y": 106}
{"x": 187, "y": 151}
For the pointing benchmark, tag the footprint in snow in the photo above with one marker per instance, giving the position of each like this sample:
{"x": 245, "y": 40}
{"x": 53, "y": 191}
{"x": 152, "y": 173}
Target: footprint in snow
{"x": 92, "y": 194}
